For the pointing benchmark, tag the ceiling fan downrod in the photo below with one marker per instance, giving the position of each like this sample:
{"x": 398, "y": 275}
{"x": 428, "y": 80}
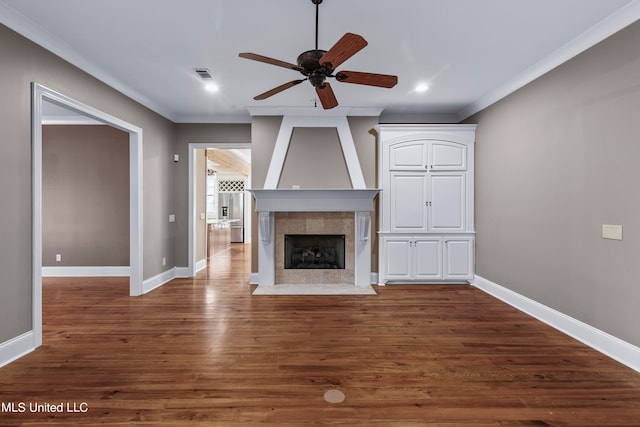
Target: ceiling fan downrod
{"x": 317, "y": 3}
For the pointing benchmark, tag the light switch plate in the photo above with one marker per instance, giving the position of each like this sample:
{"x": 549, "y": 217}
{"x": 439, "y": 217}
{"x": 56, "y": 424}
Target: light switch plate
{"x": 613, "y": 232}
{"x": 203, "y": 215}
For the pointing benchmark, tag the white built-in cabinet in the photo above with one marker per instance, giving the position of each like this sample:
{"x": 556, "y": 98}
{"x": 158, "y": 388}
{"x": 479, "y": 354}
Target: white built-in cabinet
{"x": 426, "y": 216}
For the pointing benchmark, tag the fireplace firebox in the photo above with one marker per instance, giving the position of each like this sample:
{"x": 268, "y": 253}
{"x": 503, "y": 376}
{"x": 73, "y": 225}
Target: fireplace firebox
{"x": 314, "y": 251}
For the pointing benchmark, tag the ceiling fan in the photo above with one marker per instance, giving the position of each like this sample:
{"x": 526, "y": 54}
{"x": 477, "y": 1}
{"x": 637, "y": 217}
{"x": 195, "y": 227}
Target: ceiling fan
{"x": 317, "y": 65}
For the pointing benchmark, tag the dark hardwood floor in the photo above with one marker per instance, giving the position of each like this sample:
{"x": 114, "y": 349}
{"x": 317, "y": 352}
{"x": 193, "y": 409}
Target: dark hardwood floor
{"x": 205, "y": 352}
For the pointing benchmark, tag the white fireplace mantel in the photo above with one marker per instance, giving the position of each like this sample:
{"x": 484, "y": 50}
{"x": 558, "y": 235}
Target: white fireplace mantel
{"x": 358, "y": 201}
{"x": 336, "y": 200}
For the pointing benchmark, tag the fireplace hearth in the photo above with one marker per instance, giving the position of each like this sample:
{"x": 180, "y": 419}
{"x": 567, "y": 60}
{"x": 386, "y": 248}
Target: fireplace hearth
{"x": 314, "y": 251}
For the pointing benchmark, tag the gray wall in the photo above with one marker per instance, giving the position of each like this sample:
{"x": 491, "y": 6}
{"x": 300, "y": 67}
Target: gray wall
{"x": 23, "y": 62}
{"x": 555, "y": 161}
{"x": 189, "y": 133}
{"x": 85, "y": 195}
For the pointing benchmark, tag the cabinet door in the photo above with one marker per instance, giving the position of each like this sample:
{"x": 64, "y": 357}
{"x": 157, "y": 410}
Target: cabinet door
{"x": 407, "y": 201}
{"x": 411, "y": 155}
{"x": 458, "y": 258}
{"x": 427, "y": 259}
{"x": 446, "y": 155}
{"x": 397, "y": 260}
{"x": 447, "y": 202}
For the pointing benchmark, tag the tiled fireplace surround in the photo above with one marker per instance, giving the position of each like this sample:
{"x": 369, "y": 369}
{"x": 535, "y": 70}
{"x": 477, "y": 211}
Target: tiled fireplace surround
{"x": 340, "y": 223}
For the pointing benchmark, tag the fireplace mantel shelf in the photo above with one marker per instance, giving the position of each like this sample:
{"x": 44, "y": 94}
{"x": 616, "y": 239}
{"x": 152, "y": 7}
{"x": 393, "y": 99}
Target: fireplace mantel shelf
{"x": 314, "y": 200}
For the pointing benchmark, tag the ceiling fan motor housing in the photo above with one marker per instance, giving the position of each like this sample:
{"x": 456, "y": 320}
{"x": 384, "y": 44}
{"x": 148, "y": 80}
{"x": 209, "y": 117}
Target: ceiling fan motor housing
{"x": 310, "y": 62}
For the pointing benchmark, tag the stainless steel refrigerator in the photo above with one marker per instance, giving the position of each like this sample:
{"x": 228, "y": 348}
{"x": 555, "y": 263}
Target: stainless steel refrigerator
{"x": 231, "y": 207}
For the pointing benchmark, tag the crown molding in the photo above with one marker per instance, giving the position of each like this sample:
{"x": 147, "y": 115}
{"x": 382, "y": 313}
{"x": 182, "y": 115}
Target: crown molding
{"x": 311, "y": 111}
{"x": 605, "y": 28}
{"x": 27, "y": 28}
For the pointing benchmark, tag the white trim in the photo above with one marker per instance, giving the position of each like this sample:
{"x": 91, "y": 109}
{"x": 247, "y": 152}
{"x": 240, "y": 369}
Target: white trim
{"x": 374, "y": 277}
{"x": 362, "y": 248}
{"x": 339, "y": 122}
{"x": 86, "y": 271}
{"x": 52, "y": 43}
{"x": 159, "y": 280}
{"x": 192, "y": 262}
{"x": 607, "y": 344}
{"x": 609, "y": 26}
{"x": 38, "y": 94}
{"x": 338, "y": 200}
{"x": 201, "y": 265}
{"x": 181, "y": 273}
{"x": 49, "y": 120}
{"x": 311, "y": 111}
{"x": 17, "y": 347}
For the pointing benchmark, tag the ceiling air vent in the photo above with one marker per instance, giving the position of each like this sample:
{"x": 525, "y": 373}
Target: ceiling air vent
{"x": 204, "y": 73}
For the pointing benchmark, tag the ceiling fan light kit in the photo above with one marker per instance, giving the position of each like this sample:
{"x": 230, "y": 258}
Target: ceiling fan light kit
{"x": 317, "y": 65}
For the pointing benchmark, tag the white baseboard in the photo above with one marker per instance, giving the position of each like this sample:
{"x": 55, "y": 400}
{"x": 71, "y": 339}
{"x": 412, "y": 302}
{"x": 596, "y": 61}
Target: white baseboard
{"x": 201, "y": 265}
{"x": 374, "y": 278}
{"x": 86, "y": 271}
{"x": 181, "y": 272}
{"x": 16, "y": 347}
{"x": 158, "y": 280}
{"x": 607, "y": 344}
{"x": 253, "y": 279}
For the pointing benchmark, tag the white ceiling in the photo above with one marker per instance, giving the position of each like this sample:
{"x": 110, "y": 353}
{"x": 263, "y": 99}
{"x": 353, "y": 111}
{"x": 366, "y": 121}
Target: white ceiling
{"x": 470, "y": 52}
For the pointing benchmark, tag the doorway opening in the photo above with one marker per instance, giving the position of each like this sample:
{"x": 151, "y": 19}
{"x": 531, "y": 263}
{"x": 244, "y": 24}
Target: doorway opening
{"x": 44, "y": 97}
{"x": 219, "y": 205}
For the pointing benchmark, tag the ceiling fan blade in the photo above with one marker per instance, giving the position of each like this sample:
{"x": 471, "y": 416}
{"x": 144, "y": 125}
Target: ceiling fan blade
{"x": 278, "y": 89}
{"x": 267, "y": 60}
{"x": 327, "y": 97}
{"x": 345, "y": 48}
{"x": 369, "y": 79}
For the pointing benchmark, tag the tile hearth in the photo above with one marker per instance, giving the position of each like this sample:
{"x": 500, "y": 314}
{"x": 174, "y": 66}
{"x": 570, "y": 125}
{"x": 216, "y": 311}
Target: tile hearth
{"x": 315, "y": 289}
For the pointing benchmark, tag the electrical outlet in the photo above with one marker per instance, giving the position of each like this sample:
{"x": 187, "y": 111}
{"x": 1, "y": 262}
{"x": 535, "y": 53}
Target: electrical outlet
{"x": 612, "y": 232}
{"x": 172, "y": 218}
{"x": 58, "y": 257}
{"x": 164, "y": 261}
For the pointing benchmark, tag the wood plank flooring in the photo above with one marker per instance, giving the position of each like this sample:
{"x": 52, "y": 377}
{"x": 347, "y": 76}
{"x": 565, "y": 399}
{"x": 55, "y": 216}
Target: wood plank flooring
{"x": 205, "y": 352}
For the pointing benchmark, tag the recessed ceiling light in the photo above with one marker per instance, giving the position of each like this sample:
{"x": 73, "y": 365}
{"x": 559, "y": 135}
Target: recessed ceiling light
{"x": 211, "y": 87}
{"x": 422, "y": 87}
